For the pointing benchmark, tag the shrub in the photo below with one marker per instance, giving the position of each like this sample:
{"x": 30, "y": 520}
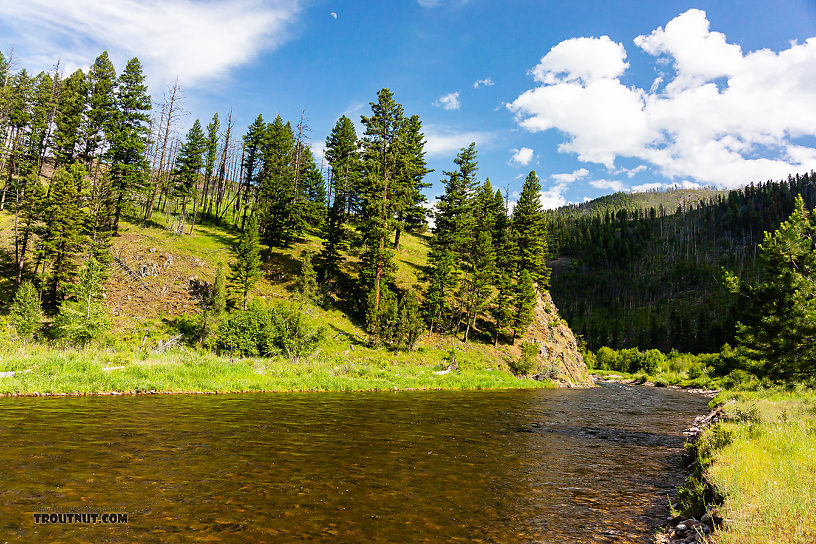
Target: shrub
{"x": 527, "y": 361}
{"x": 264, "y": 330}
{"x": 26, "y": 312}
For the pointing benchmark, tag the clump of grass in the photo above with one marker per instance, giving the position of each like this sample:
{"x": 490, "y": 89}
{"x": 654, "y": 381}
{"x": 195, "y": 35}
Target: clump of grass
{"x": 767, "y": 472}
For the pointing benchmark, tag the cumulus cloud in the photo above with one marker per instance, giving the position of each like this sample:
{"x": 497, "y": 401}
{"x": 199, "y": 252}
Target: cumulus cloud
{"x": 569, "y": 178}
{"x": 486, "y": 82}
{"x": 522, "y": 156}
{"x": 441, "y": 141}
{"x": 553, "y": 197}
{"x": 449, "y": 101}
{"x": 192, "y": 40}
{"x": 722, "y": 116}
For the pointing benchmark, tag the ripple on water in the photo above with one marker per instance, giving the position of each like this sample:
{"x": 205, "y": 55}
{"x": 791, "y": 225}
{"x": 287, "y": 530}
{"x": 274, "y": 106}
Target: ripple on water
{"x": 499, "y": 466}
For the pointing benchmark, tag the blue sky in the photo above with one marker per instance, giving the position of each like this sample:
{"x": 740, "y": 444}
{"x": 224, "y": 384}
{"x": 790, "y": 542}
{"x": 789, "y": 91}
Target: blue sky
{"x": 594, "y": 96}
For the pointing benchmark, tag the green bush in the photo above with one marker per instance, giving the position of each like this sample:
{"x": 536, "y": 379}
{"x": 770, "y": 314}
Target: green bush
{"x": 265, "y": 331}
{"x": 527, "y": 361}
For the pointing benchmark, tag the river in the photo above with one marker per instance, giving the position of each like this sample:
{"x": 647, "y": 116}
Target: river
{"x": 518, "y": 466}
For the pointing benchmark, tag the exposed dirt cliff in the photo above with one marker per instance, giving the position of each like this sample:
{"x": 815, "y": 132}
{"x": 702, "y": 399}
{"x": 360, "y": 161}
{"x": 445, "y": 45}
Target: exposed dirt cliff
{"x": 558, "y": 355}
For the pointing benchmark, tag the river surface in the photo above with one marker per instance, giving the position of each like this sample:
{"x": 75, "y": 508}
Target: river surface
{"x": 518, "y": 466}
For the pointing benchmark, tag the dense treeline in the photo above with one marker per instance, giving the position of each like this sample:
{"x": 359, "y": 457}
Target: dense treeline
{"x": 81, "y": 153}
{"x": 639, "y": 274}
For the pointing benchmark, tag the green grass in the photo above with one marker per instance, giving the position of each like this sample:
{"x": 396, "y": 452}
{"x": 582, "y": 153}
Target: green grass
{"x": 665, "y": 377}
{"x": 767, "y": 473}
{"x": 50, "y": 371}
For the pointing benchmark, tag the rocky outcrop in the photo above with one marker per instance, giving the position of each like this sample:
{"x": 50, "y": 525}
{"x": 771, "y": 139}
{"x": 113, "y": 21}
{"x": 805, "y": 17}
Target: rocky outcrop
{"x": 558, "y": 356}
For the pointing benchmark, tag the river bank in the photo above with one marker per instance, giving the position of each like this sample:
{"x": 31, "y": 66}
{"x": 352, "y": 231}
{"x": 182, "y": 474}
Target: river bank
{"x": 753, "y": 474}
{"x": 630, "y": 379}
{"x": 50, "y": 372}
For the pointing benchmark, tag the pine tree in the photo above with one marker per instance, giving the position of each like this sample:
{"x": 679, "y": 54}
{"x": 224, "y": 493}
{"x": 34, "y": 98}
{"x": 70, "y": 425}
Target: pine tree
{"x": 26, "y": 312}
{"x": 411, "y": 214}
{"x": 64, "y": 218}
{"x": 28, "y": 215}
{"x": 524, "y": 304}
{"x": 779, "y": 332}
{"x": 344, "y": 180}
{"x": 253, "y": 140}
{"x": 39, "y": 129}
{"x": 128, "y": 135}
{"x": 281, "y": 211}
{"x": 210, "y": 152}
{"x": 84, "y": 318}
{"x": 102, "y": 102}
{"x": 246, "y": 269}
{"x": 307, "y": 281}
{"x": 189, "y": 163}
{"x": 382, "y": 151}
{"x": 530, "y": 233}
{"x": 67, "y": 134}
{"x": 410, "y": 325}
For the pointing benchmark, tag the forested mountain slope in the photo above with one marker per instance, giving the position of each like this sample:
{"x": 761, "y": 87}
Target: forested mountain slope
{"x": 645, "y": 269}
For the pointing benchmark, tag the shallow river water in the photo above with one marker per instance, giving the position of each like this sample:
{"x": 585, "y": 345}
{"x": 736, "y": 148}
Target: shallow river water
{"x": 518, "y": 466}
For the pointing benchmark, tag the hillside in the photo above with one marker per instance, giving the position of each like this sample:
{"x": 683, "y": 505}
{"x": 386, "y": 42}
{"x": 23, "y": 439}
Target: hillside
{"x": 644, "y": 270}
{"x": 153, "y": 294}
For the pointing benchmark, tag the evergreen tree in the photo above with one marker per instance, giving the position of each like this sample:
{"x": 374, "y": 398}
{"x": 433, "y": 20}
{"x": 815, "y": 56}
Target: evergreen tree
{"x": 210, "y": 152}
{"x": 68, "y": 120}
{"x": 505, "y": 251}
{"x": 410, "y": 324}
{"x": 780, "y": 329}
{"x": 524, "y": 303}
{"x": 64, "y": 219}
{"x": 313, "y": 192}
{"x": 253, "y": 141}
{"x": 26, "y": 312}
{"x": 307, "y": 281}
{"x": 28, "y": 215}
{"x": 41, "y": 113}
{"x": 382, "y": 152}
{"x": 189, "y": 163}
{"x": 246, "y": 269}
{"x": 102, "y": 106}
{"x": 282, "y": 218}
{"x": 344, "y": 180}
{"x": 530, "y": 233}
{"x": 128, "y": 135}
{"x": 82, "y": 319}
{"x": 411, "y": 213}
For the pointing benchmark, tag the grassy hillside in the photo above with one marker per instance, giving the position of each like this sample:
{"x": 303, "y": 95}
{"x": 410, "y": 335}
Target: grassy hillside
{"x": 153, "y": 296}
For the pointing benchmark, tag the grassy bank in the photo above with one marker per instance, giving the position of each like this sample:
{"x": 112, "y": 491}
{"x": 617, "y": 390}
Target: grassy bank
{"x": 43, "y": 370}
{"x": 760, "y": 460}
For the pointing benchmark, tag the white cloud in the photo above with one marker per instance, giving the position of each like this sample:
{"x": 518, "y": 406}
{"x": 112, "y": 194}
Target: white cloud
{"x": 569, "y": 178}
{"x": 553, "y": 198}
{"x": 522, "y": 156}
{"x": 441, "y": 141}
{"x": 449, "y": 101}
{"x": 724, "y": 117}
{"x": 333, "y": 15}
{"x": 192, "y": 40}
{"x": 587, "y": 59}
{"x": 486, "y": 82}
{"x": 612, "y": 185}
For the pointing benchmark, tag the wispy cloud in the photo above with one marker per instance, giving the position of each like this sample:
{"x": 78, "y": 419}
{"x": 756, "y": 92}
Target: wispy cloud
{"x": 569, "y": 178}
{"x": 441, "y": 141}
{"x": 195, "y": 41}
{"x": 449, "y": 101}
{"x": 486, "y": 82}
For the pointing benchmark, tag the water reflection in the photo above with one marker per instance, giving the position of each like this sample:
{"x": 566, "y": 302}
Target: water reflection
{"x": 505, "y": 466}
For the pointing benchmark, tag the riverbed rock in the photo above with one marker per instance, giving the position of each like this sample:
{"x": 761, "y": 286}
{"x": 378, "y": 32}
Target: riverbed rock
{"x": 558, "y": 356}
